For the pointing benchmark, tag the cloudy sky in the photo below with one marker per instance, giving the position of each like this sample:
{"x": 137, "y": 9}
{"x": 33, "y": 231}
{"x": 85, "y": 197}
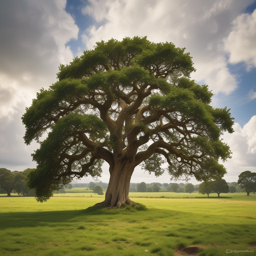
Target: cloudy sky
{"x": 36, "y": 36}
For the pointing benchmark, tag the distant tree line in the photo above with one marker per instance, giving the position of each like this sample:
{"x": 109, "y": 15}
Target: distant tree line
{"x": 217, "y": 186}
{"x": 246, "y": 183}
{"x": 15, "y": 182}
{"x": 87, "y": 185}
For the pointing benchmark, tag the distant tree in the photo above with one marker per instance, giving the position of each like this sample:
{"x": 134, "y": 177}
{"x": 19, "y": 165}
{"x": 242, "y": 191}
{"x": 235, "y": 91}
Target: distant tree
{"x": 181, "y": 190}
{"x": 92, "y": 185}
{"x": 175, "y": 187}
{"x": 239, "y": 189}
{"x": 155, "y": 188}
{"x": 205, "y": 188}
{"x": 98, "y": 189}
{"x": 196, "y": 187}
{"x": 169, "y": 188}
{"x": 165, "y": 185}
{"x": 7, "y": 180}
{"x": 232, "y": 189}
{"x": 189, "y": 188}
{"x": 247, "y": 181}
{"x": 220, "y": 186}
{"x": 149, "y": 189}
{"x": 132, "y": 188}
{"x": 19, "y": 182}
{"x": 142, "y": 187}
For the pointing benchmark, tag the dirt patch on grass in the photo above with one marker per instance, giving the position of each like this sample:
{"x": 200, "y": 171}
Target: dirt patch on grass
{"x": 190, "y": 250}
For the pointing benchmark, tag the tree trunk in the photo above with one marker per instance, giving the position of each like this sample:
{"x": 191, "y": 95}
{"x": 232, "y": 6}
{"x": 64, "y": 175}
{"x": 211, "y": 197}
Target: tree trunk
{"x": 248, "y": 193}
{"x": 218, "y": 194}
{"x": 8, "y": 193}
{"x": 117, "y": 193}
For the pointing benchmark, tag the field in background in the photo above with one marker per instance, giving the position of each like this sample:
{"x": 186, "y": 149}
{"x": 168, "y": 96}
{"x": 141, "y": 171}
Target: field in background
{"x": 68, "y": 225}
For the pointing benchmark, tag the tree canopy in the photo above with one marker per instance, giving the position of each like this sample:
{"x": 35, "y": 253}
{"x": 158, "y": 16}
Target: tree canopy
{"x": 175, "y": 187}
{"x": 17, "y": 181}
{"x": 205, "y": 188}
{"x": 189, "y": 188}
{"x": 98, "y": 189}
{"x": 142, "y": 187}
{"x": 127, "y": 103}
{"x": 219, "y": 186}
{"x": 7, "y": 180}
{"x": 247, "y": 181}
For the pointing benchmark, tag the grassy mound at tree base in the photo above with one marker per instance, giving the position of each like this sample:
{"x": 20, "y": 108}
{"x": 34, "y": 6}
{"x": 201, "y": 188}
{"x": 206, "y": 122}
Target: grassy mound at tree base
{"x": 125, "y": 207}
{"x": 133, "y": 206}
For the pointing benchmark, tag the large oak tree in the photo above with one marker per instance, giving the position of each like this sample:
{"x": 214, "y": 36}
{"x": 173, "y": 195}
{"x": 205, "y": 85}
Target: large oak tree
{"x": 127, "y": 103}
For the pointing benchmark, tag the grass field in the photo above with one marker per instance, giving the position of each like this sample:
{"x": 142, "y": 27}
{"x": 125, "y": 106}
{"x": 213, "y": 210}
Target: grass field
{"x": 172, "y": 224}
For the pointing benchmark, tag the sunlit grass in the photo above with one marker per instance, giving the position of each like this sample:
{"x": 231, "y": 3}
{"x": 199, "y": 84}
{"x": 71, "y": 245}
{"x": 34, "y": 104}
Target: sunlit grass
{"x": 68, "y": 225}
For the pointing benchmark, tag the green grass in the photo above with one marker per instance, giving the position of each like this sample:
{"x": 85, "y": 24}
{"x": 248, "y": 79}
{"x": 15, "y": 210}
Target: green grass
{"x": 69, "y": 225}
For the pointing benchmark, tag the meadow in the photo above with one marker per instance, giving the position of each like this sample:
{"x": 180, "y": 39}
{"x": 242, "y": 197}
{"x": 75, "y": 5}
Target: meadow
{"x": 168, "y": 224}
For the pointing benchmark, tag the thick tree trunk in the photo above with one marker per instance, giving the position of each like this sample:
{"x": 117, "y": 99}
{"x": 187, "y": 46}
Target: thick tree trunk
{"x": 117, "y": 193}
{"x": 248, "y": 193}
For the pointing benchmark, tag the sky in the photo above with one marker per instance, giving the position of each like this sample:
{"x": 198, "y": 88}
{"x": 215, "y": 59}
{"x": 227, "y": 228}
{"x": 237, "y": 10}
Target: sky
{"x": 37, "y": 36}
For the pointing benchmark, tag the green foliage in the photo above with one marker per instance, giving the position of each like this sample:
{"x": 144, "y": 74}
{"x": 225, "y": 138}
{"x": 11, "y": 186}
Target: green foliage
{"x": 247, "y": 181}
{"x": 130, "y": 101}
{"x": 205, "y": 187}
{"x": 16, "y": 181}
{"x": 98, "y": 189}
{"x": 220, "y": 186}
{"x": 232, "y": 189}
{"x": 7, "y": 180}
{"x": 142, "y": 187}
{"x": 169, "y": 188}
{"x": 92, "y": 185}
{"x": 181, "y": 190}
{"x": 153, "y": 164}
{"x": 149, "y": 189}
{"x": 189, "y": 188}
{"x": 154, "y": 188}
{"x": 175, "y": 187}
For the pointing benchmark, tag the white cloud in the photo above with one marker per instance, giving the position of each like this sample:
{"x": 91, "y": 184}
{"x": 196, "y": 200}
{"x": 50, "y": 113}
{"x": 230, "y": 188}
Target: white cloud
{"x": 249, "y": 132}
{"x": 33, "y": 38}
{"x": 243, "y": 146}
{"x": 252, "y": 94}
{"x": 32, "y": 45}
{"x": 199, "y": 27}
{"x": 240, "y": 43}
{"x": 14, "y": 154}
